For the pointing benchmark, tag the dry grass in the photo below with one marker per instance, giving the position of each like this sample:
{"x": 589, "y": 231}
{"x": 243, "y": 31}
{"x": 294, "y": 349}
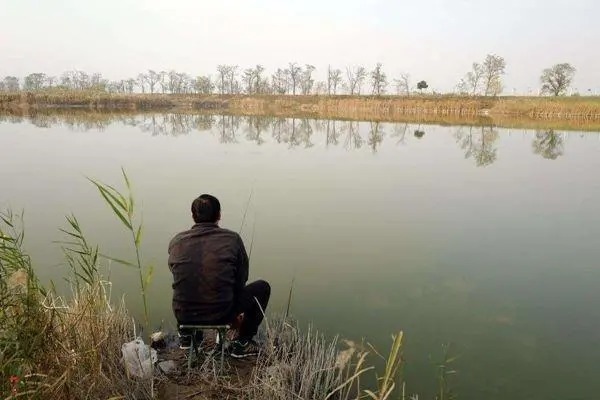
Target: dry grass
{"x": 83, "y": 357}
{"x": 294, "y": 364}
{"x": 397, "y": 108}
{"x": 304, "y": 365}
{"x": 85, "y": 99}
{"x": 56, "y": 348}
{"x": 377, "y": 108}
{"x": 76, "y": 349}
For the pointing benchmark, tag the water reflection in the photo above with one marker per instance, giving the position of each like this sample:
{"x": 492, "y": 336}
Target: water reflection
{"x": 353, "y": 138}
{"x": 227, "y": 127}
{"x": 399, "y": 131}
{"x": 478, "y": 143}
{"x": 548, "y": 144}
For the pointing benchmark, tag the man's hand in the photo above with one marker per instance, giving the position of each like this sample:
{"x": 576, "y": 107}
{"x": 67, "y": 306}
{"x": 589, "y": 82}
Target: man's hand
{"x": 237, "y": 322}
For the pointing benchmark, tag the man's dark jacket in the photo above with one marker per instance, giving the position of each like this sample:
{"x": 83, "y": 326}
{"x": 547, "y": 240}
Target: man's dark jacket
{"x": 210, "y": 269}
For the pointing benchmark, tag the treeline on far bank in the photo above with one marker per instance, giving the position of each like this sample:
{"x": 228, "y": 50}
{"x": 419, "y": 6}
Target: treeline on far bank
{"x": 485, "y": 78}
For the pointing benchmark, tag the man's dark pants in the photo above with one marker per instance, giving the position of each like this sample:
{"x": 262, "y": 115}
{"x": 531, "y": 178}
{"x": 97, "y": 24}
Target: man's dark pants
{"x": 252, "y": 302}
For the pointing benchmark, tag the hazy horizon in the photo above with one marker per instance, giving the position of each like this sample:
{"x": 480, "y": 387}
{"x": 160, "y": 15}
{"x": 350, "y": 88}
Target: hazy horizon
{"x": 434, "y": 40}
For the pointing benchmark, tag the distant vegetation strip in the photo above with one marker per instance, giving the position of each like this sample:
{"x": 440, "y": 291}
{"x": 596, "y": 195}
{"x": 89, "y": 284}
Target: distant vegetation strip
{"x": 389, "y": 108}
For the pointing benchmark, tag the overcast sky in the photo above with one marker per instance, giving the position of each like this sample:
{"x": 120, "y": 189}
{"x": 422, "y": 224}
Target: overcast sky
{"x": 435, "y": 40}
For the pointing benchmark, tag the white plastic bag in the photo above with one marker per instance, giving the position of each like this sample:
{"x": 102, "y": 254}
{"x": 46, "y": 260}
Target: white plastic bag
{"x": 138, "y": 358}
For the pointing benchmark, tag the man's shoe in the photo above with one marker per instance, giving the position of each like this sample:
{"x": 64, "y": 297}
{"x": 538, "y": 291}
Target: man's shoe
{"x": 244, "y": 348}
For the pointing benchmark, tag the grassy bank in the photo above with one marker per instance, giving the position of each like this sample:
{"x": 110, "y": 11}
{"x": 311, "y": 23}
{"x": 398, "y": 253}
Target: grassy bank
{"x": 69, "y": 347}
{"x": 396, "y": 108}
{"x": 374, "y": 108}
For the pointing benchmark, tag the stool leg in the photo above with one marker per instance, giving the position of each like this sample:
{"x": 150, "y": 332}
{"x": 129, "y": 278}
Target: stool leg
{"x": 190, "y": 355}
{"x": 222, "y": 334}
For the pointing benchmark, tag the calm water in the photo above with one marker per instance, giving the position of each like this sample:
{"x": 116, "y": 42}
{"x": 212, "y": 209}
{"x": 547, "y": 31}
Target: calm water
{"x": 484, "y": 238}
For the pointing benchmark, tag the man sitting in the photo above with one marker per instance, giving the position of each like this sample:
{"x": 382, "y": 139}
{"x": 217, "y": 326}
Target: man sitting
{"x": 210, "y": 271}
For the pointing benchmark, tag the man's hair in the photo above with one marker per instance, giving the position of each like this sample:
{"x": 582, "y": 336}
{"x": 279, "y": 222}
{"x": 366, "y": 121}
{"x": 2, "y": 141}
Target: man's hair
{"x": 206, "y": 208}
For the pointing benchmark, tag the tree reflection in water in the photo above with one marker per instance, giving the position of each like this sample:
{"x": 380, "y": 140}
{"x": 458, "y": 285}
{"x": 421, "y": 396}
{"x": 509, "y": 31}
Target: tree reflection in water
{"x": 478, "y": 143}
{"x": 548, "y": 144}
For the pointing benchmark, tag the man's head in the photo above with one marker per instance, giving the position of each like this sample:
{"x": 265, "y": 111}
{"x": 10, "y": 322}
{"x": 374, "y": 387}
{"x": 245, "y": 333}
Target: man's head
{"x": 206, "y": 208}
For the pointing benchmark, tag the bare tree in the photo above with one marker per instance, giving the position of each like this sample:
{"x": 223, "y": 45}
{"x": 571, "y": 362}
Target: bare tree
{"x": 66, "y": 80}
{"x": 556, "y": 80}
{"x": 172, "y": 81}
{"x": 185, "y": 83}
{"x": 35, "y": 81}
{"x": 252, "y": 79}
{"x": 113, "y": 87}
{"x": 493, "y": 69}
{"x": 117, "y": 86}
{"x": 320, "y": 87}
{"x": 233, "y": 84}
{"x": 141, "y": 81}
{"x": 248, "y": 77}
{"x": 403, "y": 84}
{"x": 334, "y": 78}
{"x": 77, "y": 80}
{"x": 378, "y": 80}
{"x": 294, "y": 73}
{"x": 279, "y": 81}
{"x": 97, "y": 82}
{"x": 471, "y": 83}
{"x": 130, "y": 85}
{"x": 163, "y": 81}
{"x": 307, "y": 81}
{"x": 191, "y": 84}
{"x": 258, "y": 81}
{"x": 10, "y": 84}
{"x": 50, "y": 81}
{"x": 83, "y": 80}
{"x": 356, "y": 76}
{"x": 264, "y": 86}
{"x": 223, "y": 73}
{"x": 153, "y": 78}
{"x": 204, "y": 85}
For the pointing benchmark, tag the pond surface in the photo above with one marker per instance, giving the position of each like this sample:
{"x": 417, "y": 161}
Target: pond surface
{"x": 484, "y": 238}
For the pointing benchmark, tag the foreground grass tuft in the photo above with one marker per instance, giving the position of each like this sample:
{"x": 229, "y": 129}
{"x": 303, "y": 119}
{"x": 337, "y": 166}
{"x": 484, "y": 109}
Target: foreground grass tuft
{"x": 51, "y": 347}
